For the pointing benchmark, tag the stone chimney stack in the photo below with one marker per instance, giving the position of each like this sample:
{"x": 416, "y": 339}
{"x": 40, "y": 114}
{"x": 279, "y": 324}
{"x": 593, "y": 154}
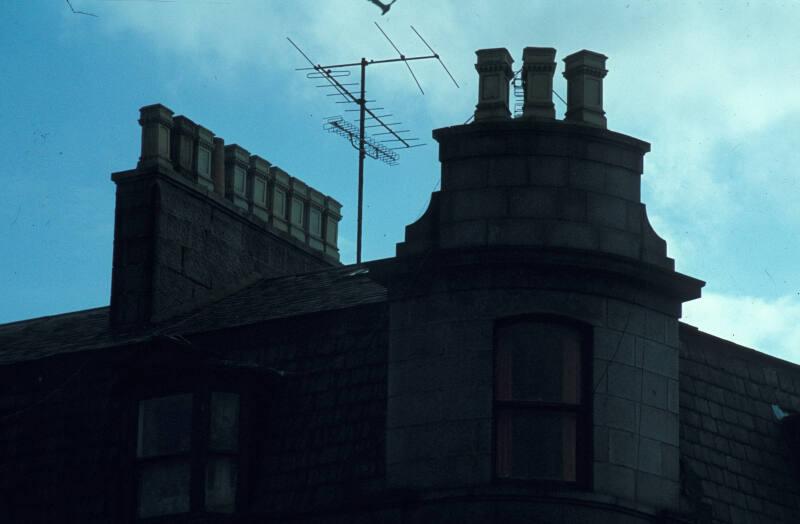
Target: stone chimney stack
{"x": 195, "y": 220}
{"x": 584, "y": 72}
{"x": 538, "y": 66}
{"x": 494, "y": 71}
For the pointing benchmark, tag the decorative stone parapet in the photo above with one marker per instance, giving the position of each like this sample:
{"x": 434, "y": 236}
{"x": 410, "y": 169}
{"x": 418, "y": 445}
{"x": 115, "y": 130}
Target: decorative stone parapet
{"x": 538, "y": 67}
{"x": 204, "y": 162}
{"x": 218, "y": 172}
{"x": 298, "y": 192}
{"x": 259, "y": 190}
{"x": 184, "y": 133}
{"x": 237, "y": 162}
{"x": 280, "y": 199}
{"x": 494, "y": 71}
{"x": 176, "y": 145}
{"x": 156, "y": 122}
{"x": 332, "y": 215}
{"x": 584, "y": 72}
{"x": 316, "y": 209}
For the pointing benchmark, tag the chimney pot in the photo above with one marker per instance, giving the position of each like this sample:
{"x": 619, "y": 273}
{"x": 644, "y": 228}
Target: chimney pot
{"x": 538, "y": 67}
{"x": 494, "y": 72}
{"x": 584, "y": 72}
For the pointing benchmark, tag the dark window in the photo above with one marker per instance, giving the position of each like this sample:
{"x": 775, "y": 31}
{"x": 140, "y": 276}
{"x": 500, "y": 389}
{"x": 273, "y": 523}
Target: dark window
{"x": 163, "y": 449}
{"x": 541, "y": 409}
{"x": 223, "y": 446}
{"x": 187, "y": 448}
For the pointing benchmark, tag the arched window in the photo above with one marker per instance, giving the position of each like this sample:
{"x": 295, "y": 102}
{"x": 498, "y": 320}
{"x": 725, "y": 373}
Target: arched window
{"x": 542, "y": 426}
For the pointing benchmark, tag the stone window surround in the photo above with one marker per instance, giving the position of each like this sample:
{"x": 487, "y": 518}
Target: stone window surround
{"x": 581, "y": 409}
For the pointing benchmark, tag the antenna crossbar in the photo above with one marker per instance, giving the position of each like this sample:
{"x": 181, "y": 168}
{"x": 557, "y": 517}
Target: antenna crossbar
{"x": 366, "y": 146}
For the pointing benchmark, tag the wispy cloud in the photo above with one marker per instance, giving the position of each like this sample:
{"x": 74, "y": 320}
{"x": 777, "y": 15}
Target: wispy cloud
{"x": 712, "y": 85}
{"x": 770, "y": 326}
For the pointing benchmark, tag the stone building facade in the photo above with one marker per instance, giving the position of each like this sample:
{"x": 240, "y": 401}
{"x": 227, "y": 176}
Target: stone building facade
{"x": 520, "y": 359}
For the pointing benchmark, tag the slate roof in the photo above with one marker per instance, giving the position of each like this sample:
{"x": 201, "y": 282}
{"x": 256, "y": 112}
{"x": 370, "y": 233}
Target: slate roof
{"x": 735, "y": 457}
{"x": 283, "y": 297}
{"x": 46, "y": 336}
{"x": 268, "y": 299}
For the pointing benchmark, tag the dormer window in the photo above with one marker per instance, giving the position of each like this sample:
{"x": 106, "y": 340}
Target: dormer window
{"x": 541, "y": 407}
{"x": 164, "y": 444}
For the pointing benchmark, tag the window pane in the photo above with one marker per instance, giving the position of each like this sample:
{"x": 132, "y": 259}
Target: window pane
{"x": 163, "y": 488}
{"x": 538, "y": 361}
{"x": 165, "y": 425}
{"x": 536, "y": 445}
{"x": 224, "y": 435}
{"x": 221, "y": 475}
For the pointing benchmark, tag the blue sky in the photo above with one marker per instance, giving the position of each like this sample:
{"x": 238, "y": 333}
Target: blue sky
{"x": 713, "y": 86}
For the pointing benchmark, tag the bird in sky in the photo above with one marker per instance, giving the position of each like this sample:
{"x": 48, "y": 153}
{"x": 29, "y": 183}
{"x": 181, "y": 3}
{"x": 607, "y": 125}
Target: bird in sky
{"x": 384, "y": 7}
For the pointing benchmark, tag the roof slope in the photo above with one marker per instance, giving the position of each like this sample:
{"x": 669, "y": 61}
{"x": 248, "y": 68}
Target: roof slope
{"x": 325, "y": 290}
{"x": 267, "y": 299}
{"x": 47, "y": 336}
{"x": 735, "y": 456}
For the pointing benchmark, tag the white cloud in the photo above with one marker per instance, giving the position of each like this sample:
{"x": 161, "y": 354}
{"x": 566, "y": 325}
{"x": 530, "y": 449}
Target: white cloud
{"x": 770, "y": 326}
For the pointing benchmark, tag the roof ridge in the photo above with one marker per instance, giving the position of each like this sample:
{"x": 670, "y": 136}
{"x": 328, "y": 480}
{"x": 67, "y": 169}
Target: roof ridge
{"x": 43, "y": 317}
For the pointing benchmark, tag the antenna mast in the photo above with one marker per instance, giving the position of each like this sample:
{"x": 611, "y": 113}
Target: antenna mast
{"x": 367, "y": 146}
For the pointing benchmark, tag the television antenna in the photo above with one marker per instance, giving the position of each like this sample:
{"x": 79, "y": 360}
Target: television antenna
{"x": 391, "y": 139}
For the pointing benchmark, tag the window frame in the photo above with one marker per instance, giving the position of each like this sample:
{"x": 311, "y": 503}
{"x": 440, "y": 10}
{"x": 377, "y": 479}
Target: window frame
{"x": 172, "y": 373}
{"x": 198, "y": 454}
{"x": 582, "y": 410}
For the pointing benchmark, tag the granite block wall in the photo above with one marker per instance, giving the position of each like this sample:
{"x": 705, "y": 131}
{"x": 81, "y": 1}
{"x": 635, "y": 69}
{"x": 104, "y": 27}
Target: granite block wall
{"x": 440, "y": 388}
